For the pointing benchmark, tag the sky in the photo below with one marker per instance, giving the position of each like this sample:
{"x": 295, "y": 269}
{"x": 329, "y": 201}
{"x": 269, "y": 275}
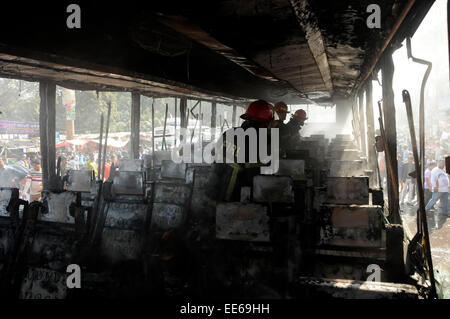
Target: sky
{"x": 430, "y": 42}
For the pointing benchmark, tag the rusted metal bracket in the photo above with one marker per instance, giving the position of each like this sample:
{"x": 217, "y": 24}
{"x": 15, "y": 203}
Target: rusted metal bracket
{"x": 423, "y": 217}
{"x": 421, "y": 105}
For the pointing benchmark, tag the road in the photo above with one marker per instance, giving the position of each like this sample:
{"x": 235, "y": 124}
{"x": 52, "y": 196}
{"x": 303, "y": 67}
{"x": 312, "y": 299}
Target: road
{"x": 439, "y": 230}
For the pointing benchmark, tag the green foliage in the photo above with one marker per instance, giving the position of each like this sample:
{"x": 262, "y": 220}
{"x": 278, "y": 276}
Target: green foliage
{"x": 19, "y": 100}
{"x": 89, "y": 108}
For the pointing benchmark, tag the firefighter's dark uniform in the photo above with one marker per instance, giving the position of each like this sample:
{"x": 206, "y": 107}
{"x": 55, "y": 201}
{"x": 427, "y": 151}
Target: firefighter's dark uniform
{"x": 289, "y": 135}
{"x": 227, "y": 179}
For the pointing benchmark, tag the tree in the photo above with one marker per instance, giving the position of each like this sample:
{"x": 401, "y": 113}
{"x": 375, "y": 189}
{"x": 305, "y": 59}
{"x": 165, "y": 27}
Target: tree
{"x": 19, "y": 100}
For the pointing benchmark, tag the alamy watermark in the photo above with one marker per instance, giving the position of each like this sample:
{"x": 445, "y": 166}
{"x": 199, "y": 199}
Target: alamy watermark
{"x": 74, "y": 279}
{"x": 74, "y": 19}
{"x": 375, "y": 272}
{"x": 374, "y": 19}
{"x": 235, "y": 152}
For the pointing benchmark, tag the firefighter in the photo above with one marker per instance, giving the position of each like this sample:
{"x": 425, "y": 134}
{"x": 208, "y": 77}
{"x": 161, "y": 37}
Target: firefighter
{"x": 282, "y": 110}
{"x": 289, "y": 133}
{"x": 227, "y": 178}
{"x": 259, "y": 114}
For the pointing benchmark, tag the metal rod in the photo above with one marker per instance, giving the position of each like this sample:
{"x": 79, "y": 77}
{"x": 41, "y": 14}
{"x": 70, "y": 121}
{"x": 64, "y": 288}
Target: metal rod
{"x": 407, "y": 101}
{"x": 422, "y": 103}
{"x": 195, "y": 126}
{"x": 362, "y": 121}
{"x": 175, "y": 128}
{"x": 164, "y": 131}
{"x": 190, "y": 112}
{"x": 100, "y": 148}
{"x": 233, "y": 117}
{"x": 200, "y": 115}
{"x": 58, "y": 167}
{"x": 223, "y": 124}
{"x": 135, "y": 124}
{"x": 93, "y": 217}
{"x": 106, "y": 139}
{"x": 43, "y": 121}
{"x": 213, "y": 120}
{"x": 195, "y": 105}
{"x": 153, "y": 132}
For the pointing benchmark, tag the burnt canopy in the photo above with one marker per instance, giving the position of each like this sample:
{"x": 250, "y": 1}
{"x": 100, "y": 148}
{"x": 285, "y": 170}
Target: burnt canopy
{"x": 295, "y": 50}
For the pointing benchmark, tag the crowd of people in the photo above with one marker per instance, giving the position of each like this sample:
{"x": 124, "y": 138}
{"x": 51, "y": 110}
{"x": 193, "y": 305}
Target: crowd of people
{"x": 28, "y": 168}
{"x": 89, "y": 160}
{"x": 262, "y": 114}
{"x": 436, "y": 179}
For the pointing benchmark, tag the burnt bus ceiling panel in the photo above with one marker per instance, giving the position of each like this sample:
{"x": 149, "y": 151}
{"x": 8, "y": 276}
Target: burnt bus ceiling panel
{"x": 268, "y": 55}
{"x": 192, "y": 31}
{"x": 349, "y": 42}
{"x": 265, "y": 32}
{"x": 127, "y": 40}
{"x": 295, "y": 64}
{"x": 86, "y": 79}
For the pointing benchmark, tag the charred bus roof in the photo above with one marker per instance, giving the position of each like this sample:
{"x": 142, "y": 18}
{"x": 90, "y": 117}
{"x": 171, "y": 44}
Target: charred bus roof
{"x": 296, "y": 51}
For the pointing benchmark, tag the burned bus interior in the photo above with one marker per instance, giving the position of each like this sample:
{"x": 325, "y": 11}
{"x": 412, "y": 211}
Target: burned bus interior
{"x": 320, "y": 225}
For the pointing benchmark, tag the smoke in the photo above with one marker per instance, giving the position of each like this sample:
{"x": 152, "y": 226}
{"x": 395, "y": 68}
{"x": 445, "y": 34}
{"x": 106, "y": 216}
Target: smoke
{"x": 430, "y": 42}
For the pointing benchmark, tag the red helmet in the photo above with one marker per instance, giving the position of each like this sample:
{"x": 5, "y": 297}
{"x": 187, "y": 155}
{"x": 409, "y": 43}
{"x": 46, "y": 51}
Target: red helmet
{"x": 259, "y": 111}
{"x": 300, "y": 114}
{"x": 281, "y": 107}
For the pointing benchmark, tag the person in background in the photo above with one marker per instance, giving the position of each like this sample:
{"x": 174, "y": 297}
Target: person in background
{"x": 107, "y": 168}
{"x": 63, "y": 166}
{"x": 409, "y": 183}
{"x": 430, "y": 158}
{"x": 290, "y": 132}
{"x": 33, "y": 185}
{"x": 91, "y": 165}
{"x": 439, "y": 182}
{"x": 72, "y": 163}
{"x": 23, "y": 161}
{"x": 400, "y": 171}
{"x": 81, "y": 160}
{"x": 427, "y": 183}
{"x": 405, "y": 153}
{"x": 116, "y": 161}
{"x": 281, "y": 109}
